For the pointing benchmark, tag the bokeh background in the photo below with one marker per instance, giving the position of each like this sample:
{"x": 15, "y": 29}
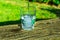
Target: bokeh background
{"x": 45, "y": 9}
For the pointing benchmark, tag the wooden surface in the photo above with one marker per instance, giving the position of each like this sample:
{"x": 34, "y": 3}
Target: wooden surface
{"x": 44, "y": 30}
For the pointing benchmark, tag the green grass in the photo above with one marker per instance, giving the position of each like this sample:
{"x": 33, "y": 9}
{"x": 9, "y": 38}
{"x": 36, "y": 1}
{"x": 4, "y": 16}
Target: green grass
{"x": 11, "y": 12}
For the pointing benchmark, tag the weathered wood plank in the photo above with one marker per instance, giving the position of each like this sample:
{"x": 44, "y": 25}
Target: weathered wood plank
{"x": 46, "y": 29}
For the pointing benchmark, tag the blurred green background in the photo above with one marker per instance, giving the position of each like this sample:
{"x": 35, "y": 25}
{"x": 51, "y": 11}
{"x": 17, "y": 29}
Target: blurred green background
{"x": 10, "y": 9}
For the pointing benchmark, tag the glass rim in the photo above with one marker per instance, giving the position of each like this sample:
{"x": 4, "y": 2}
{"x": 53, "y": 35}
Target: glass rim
{"x": 22, "y": 9}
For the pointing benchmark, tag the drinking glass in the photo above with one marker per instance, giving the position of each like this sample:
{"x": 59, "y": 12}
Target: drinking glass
{"x": 28, "y": 16}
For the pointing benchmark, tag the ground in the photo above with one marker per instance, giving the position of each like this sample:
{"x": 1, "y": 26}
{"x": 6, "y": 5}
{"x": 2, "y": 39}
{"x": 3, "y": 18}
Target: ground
{"x": 44, "y": 30}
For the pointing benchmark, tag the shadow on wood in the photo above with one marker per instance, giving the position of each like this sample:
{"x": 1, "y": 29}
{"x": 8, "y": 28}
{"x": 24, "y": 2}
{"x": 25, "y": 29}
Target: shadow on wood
{"x": 10, "y": 22}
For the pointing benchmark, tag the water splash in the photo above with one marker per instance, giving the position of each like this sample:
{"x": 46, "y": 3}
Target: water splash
{"x": 28, "y": 22}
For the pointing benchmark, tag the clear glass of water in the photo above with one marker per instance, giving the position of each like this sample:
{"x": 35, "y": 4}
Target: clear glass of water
{"x": 28, "y": 16}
